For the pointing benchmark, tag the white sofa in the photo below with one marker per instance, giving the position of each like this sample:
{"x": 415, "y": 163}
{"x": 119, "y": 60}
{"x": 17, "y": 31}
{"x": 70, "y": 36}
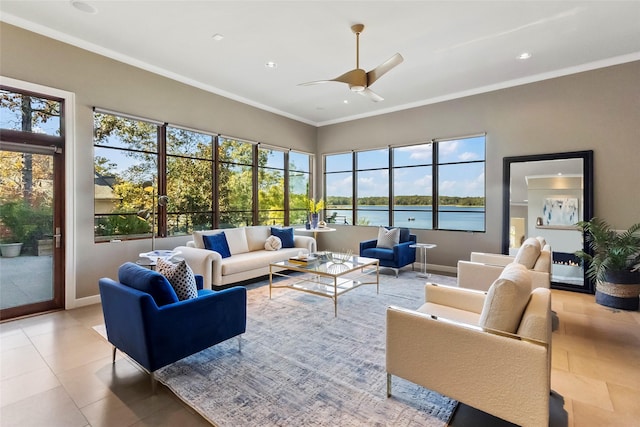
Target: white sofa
{"x": 458, "y": 344}
{"x": 484, "y": 268}
{"x": 249, "y": 258}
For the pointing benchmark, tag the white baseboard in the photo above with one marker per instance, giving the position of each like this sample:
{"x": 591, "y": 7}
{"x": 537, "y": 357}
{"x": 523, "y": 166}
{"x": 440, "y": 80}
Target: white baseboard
{"x": 82, "y": 302}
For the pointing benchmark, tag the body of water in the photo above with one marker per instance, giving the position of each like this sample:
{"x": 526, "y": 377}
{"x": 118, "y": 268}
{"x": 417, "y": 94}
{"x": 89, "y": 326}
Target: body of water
{"x": 453, "y": 217}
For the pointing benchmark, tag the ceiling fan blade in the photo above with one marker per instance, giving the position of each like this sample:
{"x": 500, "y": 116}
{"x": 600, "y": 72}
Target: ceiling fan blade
{"x": 317, "y": 82}
{"x": 371, "y": 95}
{"x": 355, "y": 77}
{"x": 383, "y": 68}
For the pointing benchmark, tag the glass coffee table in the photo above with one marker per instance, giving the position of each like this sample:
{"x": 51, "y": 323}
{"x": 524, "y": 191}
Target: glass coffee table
{"x": 326, "y": 278}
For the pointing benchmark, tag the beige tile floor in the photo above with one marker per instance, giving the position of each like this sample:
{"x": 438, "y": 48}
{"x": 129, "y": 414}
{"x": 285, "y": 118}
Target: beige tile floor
{"x": 55, "y": 370}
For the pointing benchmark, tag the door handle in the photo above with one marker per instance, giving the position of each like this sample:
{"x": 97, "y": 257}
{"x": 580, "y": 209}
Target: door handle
{"x": 57, "y": 237}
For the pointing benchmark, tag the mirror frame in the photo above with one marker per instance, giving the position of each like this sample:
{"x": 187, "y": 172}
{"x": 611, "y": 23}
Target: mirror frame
{"x": 587, "y": 168}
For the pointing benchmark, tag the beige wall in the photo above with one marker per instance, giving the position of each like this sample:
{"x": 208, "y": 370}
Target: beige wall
{"x": 102, "y": 82}
{"x": 597, "y": 110}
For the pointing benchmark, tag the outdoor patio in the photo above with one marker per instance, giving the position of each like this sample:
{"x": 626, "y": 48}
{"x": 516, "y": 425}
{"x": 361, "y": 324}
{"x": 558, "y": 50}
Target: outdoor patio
{"x": 25, "y": 280}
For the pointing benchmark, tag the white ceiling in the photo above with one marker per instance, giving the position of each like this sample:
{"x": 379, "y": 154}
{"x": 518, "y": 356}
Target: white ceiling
{"x": 450, "y": 48}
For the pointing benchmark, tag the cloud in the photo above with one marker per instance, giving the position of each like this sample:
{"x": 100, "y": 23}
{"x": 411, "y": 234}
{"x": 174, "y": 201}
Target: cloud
{"x": 468, "y": 156}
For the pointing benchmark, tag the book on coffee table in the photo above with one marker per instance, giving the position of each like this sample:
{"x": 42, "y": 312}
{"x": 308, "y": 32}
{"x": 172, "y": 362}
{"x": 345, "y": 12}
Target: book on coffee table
{"x": 305, "y": 259}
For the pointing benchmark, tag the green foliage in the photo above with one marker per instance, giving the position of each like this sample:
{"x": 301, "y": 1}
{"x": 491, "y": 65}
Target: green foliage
{"x": 119, "y": 225}
{"x": 413, "y": 200}
{"x": 21, "y": 223}
{"x": 611, "y": 251}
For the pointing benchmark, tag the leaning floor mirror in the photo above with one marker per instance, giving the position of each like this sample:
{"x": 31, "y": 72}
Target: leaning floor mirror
{"x": 546, "y": 195}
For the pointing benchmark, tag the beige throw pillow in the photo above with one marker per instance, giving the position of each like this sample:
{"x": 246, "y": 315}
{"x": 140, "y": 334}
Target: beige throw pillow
{"x": 506, "y": 299}
{"x": 273, "y": 243}
{"x": 388, "y": 238}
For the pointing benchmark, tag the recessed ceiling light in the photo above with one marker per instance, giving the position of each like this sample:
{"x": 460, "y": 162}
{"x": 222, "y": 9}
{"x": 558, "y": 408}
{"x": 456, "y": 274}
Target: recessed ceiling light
{"x": 271, "y": 64}
{"x": 524, "y": 55}
{"x": 217, "y": 37}
{"x": 346, "y": 101}
{"x": 84, "y": 7}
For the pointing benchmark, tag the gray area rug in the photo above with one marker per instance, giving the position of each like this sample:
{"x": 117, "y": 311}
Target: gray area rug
{"x": 301, "y": 366}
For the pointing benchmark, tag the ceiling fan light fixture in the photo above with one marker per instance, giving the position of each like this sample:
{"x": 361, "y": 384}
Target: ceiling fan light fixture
{"x": 356, "y": 88}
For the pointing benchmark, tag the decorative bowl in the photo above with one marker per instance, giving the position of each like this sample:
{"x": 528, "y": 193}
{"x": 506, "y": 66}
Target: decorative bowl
{"x": 340, "y": 257}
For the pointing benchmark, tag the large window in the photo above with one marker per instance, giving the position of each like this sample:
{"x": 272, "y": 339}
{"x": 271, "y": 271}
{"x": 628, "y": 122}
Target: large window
{"x": 125, "y": 160}
{"x": 435, "y": 185}
{"x": 412, "y": 186}
{"x": 338, "y": 188}
{"x": 235, "y": 182}
{"x": 150, "y": 174}
{"x": 190, "y": 168}
{"x": 372, "y": 189}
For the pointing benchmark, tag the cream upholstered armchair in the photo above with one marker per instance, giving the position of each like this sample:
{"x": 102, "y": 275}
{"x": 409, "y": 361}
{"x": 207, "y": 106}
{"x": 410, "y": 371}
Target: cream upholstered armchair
{"x": 484, "y": 268}
{"x": 490, "y": 350}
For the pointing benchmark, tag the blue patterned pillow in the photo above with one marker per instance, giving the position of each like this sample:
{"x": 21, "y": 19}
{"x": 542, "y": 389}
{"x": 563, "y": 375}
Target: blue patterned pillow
{"x": 181, "y": 278}
{"x": 217, "y": 242}
{"x": 285, "y": 235}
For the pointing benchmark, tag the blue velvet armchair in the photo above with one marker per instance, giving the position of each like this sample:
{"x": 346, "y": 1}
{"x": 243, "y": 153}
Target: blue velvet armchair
{"x": 145, "y": 319}
{"x": 401, "y": 254}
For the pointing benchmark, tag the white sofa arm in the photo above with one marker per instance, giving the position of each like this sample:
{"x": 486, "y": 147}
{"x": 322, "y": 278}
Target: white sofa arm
{"x": 204, "y": 262}
{"x": 494, "y": 259}
{"x": 474, "y": 275}
{"x": 502, "y": 375}
{"x": 451, "y": 296}
{"x": 305, "y": 242}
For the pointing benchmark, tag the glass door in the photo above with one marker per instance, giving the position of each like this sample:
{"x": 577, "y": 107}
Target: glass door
{"x": 31, "y": 206}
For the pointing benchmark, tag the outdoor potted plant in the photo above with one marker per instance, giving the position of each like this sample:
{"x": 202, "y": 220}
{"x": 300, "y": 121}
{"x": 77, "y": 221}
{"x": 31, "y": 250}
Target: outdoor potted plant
{"x": 21, "y": 225}
{"x": 613, "y": 262}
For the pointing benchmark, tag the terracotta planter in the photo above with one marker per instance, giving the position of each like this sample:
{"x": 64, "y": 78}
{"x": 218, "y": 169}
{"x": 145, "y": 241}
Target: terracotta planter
{"x": 620, "y": 289}
{"x": 10, "y": 250}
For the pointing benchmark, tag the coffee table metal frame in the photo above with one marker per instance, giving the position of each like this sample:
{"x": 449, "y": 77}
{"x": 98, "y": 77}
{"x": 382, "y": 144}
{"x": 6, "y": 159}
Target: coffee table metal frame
{"x": 327, "y": 279}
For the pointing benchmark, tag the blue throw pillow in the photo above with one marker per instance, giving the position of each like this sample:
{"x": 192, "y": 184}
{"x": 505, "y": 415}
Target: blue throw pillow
{"x": 285, "y": 235}
{"x": 217, "y": 242}
{"x": 149, "y": 281}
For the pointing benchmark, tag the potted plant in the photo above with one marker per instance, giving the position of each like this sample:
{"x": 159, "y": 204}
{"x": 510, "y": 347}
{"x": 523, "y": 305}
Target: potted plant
{"x": 613, "y": 262}
{"x": 20, "y": 224}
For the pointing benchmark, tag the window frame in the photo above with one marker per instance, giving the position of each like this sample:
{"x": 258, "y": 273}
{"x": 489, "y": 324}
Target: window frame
{"x": 163, "y": 154}
{"x": 435, "y": 164}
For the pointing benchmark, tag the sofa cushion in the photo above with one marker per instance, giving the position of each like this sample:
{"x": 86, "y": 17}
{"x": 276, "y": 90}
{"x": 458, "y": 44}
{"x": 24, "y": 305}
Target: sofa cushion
{"x": 388, "y": 238}
{"x": 285, "y": 234}
{"x": 149, "y": 281}
{"x": 273, "y": 243}
{"x": 181, "y": 278}
{"x": 506, "y": 299}
{"x": 528, "y": 253}
{"x": 379, "y": 253}
{"x": 198, "y": 241}
{"x": 256, "y": 236}
{"x": 543, "y": 263}
{"x": 536, "y": 317}
{"x": 237, "y": 240}
{"x": 217, "y": 242}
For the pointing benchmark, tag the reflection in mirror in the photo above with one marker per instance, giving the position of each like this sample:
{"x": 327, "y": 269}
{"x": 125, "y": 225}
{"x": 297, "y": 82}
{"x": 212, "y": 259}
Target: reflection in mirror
{"x": 546, "y": 196}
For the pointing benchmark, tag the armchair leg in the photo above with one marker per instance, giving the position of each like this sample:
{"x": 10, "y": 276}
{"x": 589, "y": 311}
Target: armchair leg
{"x": 397, "y": 271}
{"x": 239, "y": 343}
{"x": 388, "y": 384}
{"x": 113, "y": 355}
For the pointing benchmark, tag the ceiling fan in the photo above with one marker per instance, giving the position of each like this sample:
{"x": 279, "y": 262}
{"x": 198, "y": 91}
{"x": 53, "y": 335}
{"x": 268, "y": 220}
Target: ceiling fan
{"x": 359, "y": 80}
